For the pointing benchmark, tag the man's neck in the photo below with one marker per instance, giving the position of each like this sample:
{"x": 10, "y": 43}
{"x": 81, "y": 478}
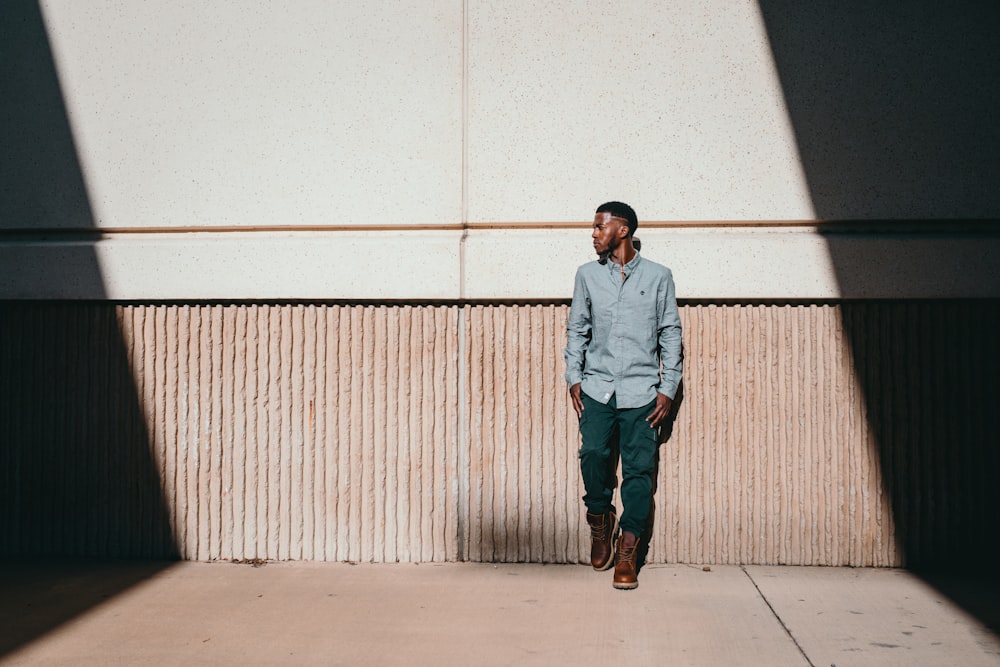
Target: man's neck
{"x": 624, "y": 253}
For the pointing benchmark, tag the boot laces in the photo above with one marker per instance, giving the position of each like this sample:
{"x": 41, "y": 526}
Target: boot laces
{"x": 627, "y": 553}
{"x": 599, "y": 532}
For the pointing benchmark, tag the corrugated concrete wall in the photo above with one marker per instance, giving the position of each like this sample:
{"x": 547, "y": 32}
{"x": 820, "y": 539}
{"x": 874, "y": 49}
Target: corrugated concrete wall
{"x": 849, "y": 434}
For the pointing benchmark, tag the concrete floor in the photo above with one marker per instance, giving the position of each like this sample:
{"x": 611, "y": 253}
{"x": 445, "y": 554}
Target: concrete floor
{"x": 480, "y": 614}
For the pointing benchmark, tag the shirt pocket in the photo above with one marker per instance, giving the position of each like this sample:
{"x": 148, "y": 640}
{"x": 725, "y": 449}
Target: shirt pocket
{"x": 642, "y": 320}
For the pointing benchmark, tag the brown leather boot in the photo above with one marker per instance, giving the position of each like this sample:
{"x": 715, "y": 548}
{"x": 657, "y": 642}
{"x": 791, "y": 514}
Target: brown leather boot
{"x": 602, "y": 539}
{"x": 625, "y": 574}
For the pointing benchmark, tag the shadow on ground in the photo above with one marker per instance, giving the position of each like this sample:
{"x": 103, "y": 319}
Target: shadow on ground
{"x": 42, "y": 595}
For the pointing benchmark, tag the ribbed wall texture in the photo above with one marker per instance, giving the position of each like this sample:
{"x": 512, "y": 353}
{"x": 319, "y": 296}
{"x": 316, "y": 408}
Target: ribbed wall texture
{"x": 849, "y": 434}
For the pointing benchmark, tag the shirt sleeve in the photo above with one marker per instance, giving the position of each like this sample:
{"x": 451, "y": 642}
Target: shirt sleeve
{"x": 578, "y": 331}
{"x": 669, "y": 341}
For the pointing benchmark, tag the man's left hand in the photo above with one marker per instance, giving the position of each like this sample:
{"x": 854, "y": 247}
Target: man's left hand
{"x": 660, "y": 412}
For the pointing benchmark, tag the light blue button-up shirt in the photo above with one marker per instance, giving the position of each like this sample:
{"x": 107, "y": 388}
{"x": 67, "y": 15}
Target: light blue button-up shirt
{"x": 624, "y": 336}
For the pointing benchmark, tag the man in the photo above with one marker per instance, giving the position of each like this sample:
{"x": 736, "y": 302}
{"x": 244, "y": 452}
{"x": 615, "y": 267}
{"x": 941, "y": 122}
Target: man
{"x": 623, "y": 367}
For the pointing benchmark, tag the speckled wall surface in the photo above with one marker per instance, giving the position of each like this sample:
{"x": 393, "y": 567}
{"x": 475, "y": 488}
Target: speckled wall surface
{"x": 337, "y": 113}
{"x": 314, "y": 113}
{"x": 674, "y": 107}
{"x": 806, "y": 434}
{"x": 187, "y": 114}
{"x": 314, "y": 150}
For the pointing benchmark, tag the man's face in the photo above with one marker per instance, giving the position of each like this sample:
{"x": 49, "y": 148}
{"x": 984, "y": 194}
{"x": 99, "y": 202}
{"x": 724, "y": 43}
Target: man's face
{"x": 608, "y": 233}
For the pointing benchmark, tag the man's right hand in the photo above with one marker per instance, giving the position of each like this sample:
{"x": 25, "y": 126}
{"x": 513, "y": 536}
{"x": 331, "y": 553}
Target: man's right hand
{"x": 574, "y": 394}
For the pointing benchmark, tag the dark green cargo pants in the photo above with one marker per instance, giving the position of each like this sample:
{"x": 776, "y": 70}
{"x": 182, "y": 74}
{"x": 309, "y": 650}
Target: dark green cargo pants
{"x": 637, "y": 443}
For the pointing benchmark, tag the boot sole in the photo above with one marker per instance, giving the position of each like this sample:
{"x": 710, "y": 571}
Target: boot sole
{"x": 611, "y": 556}
{"x": 625, "y": 586}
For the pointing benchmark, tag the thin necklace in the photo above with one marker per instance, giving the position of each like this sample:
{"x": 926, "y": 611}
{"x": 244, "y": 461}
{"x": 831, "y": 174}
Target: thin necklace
{"x": 622, "y": 266}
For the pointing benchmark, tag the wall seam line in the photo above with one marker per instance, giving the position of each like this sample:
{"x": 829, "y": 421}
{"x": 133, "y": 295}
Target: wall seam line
{"x": 465, "y": 150}
{"x": 462, "y": 502}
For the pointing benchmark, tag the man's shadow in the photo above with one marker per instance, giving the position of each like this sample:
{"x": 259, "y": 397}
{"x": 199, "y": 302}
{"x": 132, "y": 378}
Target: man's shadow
{"x": 664, "y": 431}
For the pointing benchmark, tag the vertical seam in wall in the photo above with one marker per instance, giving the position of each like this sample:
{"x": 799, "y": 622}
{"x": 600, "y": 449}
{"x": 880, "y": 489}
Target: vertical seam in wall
{"x": 465, "y": 149}
{"x": 463, "y": 372}
{"x": 462, "y": 504}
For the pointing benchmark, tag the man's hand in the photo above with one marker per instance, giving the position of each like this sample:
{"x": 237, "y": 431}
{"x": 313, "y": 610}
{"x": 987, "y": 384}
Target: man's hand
{"x": 574, "y": 394}
{"x": 660, "y": 412}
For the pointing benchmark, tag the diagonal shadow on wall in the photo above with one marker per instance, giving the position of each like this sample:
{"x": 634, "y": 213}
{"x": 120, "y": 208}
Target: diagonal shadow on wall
{"x": 77, "y": 477}
{"x": 893, "y": 107}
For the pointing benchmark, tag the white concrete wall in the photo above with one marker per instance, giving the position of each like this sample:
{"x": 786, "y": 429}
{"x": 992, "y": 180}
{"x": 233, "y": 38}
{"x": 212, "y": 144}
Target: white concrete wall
{"x": 674, "y": 107}
{"x": 432, "y": 150}
{"x": 192, "y": 114}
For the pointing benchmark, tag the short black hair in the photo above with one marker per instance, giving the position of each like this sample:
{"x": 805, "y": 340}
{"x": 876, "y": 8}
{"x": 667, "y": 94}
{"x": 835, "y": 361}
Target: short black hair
{"x": 620, "y": 210}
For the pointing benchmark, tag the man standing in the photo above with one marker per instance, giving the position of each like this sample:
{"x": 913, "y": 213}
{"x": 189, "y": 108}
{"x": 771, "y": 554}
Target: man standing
{"x": 623, "y": 367}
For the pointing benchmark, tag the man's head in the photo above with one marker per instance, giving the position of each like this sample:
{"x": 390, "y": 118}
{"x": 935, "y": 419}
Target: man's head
{"x": 621, "y": 210}
{"x": 614, "y": 224}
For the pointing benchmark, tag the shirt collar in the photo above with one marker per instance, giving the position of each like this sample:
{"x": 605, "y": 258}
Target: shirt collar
{"x": 629, "y": 267}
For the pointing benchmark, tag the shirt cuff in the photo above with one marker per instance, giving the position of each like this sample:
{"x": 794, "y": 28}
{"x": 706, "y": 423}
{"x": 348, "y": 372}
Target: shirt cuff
{"x": 667, "y": 389}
